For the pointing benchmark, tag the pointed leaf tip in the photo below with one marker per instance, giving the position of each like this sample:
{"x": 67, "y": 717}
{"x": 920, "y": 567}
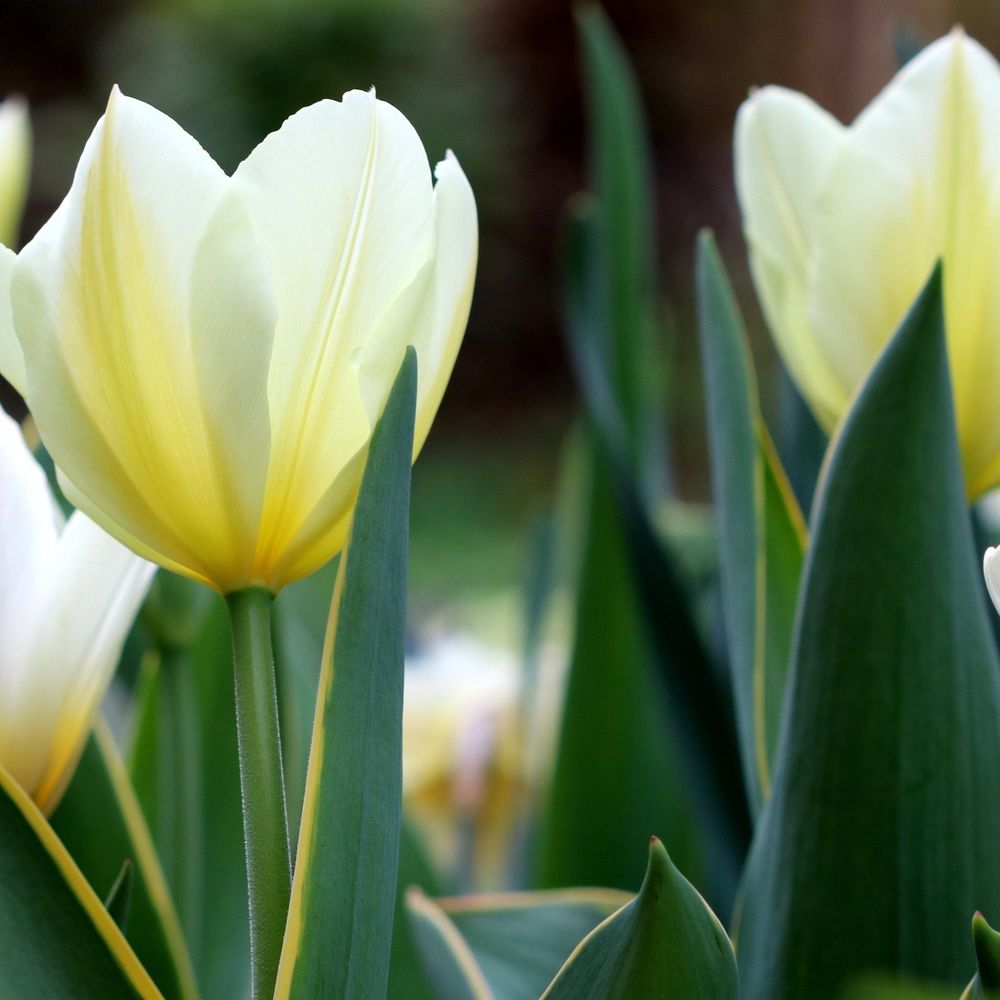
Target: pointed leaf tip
{"x": 987, "y": 944}
{"x": 665, "y": 942}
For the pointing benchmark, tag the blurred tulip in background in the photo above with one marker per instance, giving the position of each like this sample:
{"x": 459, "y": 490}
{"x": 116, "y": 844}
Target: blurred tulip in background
{"x": 845, "y": 223}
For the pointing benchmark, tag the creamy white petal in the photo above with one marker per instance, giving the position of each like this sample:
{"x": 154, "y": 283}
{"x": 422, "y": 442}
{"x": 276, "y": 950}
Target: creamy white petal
{"x": 233, "y": 318}
{"x": 103, "y": 308}
{"x": 918, "y": 180}
{"x": 29, "y": 524}
{"x": 15, "y": 166}
{"x": 784, "y": 146}
{"x": 94, "y": 591}
{"x": 11, "y": 355}
{"x": 433, "y": 312}
{"x": 341, "y": 196}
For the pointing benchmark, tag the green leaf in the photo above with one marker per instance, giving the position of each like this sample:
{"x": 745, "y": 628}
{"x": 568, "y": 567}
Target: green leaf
{"x": 337, "y": 942}
{"x": 507, "y": 946}
{"x": 665, "y": 943}
{"x": 57, "y": 941}
{"x": 987, "y": 944}
{"x": 878, "y": 841}
{"x": 183, "y": 769}
{"x": 621, "y": 177}
{"x": 702, "y": 765}
{"x": 599, "y": 804}
{"x": 100, "y": 822}
{"x": 407, "y": 979}
{"x": 300, "y": 617}
{"x": 884, "y": 988}
{"x": 761, "y": 532}
{"x": 119, "y": 897}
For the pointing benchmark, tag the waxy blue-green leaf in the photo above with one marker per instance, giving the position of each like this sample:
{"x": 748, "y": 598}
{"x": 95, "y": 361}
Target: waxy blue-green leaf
{"x": 879, "y": 840}
{"x": 299, "y": 622}
{"x": 885, "y": 988}
{"x": 507, "y": 946}
{"x": 685, "y": 701}
{"x": 621, "y": 180}
{"x": 101, "y": 824}
{"x": 664, "y": 943}
{"x": 57, "y": 940}
{"x": 339, "y": 931}
{"x": 760, "y": 528}
{"x": 200, "y": 810}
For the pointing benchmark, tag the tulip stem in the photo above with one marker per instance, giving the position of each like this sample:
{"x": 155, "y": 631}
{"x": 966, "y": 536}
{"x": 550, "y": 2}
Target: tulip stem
{"x": 265, "y": 820}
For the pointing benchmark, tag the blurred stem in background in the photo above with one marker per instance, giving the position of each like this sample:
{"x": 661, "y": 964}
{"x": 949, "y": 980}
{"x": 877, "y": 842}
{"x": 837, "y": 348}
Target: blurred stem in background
{"x": 265, "y": 819}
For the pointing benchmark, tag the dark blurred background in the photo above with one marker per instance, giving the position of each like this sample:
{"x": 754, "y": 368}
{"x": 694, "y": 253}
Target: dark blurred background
{"x": 498, "y": 82}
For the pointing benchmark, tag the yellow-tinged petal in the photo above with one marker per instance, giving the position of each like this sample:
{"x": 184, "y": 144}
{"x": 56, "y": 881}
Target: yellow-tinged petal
{"x": 918, "y": 180}
{"x": 69, "y": 596}
{"x": 15, "y": 166}
{"x": 94, "y": 592}
{"x": 914, "y": 179}
{"x": 341, "y": 197}
{"x": 206, "y": 357}
{"x": 432, "y": 313}
{"x": 784, "y": 146}
{"x": 114, "y": 327}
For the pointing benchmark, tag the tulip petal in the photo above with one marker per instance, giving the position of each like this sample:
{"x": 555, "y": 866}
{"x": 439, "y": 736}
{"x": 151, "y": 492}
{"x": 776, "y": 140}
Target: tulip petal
{"x": 919, "y": 179}
{"x": 783, "y": 149}
{"x": 233, "y": 317}
{"x": 95, "y": 586}
{"x": 11, "y": 356}
{"x": 433, "y": 312}
{"x": 341, "y": 197}
{"x": 104, "y": 303}
{"x": 29, "y": 524}
{"x": 15, "y": 166}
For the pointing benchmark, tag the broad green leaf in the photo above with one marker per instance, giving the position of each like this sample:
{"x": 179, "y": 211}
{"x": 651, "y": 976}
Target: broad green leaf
{"x": 621, "y": 179}
{"x": 507, "y": 946}
{"x": 614, "y": 745}
{"x": 57, "y": 940}
{"x": 338, "y": 938}
{"x": 168, "y": 779}
{"x": 119, "y": 899}
{"x": 686, "y": 704}
{"x": 407, "y": 979}
{"x": 174, "y": 759}
{"x": 760, "y": 528}
{"x": 101, "y": 824}
{"x": 300, "y": 616}
{"x": 301, "y": 612}
{"x": 878, "y": 841}
{"x": 884, "y": 988}
{"x": 665, "y": 943}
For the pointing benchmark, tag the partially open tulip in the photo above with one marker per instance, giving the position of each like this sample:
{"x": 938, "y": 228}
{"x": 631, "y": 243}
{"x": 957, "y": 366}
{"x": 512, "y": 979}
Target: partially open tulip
{"x": 844, "y": 225}
{"x": 15, "y": 162}
{"x": 68, "y": 595}
{"x": 205, "y": 356}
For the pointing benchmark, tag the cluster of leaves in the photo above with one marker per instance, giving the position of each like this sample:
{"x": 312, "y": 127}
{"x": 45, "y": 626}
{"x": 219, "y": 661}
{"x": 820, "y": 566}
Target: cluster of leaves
{"x": 817, "y": 758}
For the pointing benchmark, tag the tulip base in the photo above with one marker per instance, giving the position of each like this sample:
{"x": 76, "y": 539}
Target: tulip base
{"x": 265, "y": 820}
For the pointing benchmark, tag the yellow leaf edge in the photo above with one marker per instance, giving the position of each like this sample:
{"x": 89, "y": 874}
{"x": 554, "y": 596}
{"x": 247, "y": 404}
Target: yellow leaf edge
{"x": 104, "y": 924}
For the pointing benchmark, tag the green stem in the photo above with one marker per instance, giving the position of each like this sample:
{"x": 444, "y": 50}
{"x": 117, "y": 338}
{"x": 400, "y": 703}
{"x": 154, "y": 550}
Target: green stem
{"x": 265, "y": 821}
{"x": 179, "y": 813}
